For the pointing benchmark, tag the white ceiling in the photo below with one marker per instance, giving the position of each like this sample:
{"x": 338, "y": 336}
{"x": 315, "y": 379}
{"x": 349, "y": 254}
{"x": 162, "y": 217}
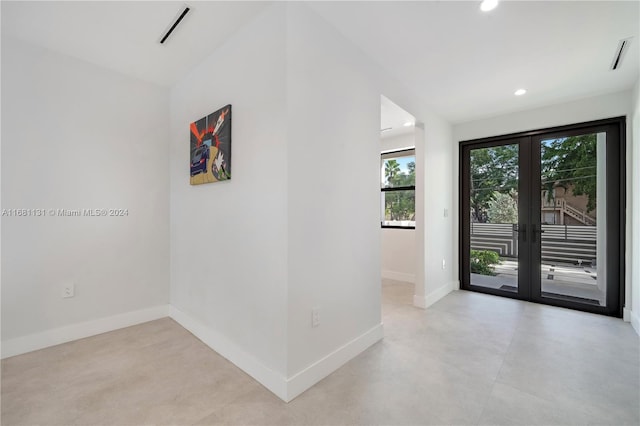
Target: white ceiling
{"x": 393, "y": 119}
{"x": 465, "y": 63}
{"x": 124, "y": 35}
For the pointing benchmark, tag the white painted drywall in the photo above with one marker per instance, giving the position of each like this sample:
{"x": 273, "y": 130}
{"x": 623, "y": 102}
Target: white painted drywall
{"x": 588, "y": 109}
{"x": 76, "y": 136}
{"x": 437, "y": 229}
{"x": 298, "y": 225}
{"x": 403, "y": 141}
{"x": 333, "y": 97}
{"x": 398, "y": 245}
{"x": 633, "y": 210}
{"x": 399, "y": 254}
{"x": 229, "y": 239}
{"x": 334, "y": 201}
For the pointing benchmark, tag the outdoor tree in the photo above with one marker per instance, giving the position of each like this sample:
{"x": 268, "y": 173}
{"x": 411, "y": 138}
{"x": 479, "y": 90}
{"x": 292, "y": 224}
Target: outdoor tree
{"x": 412, "y": 169}
{"x": 399, "y": 205}
{"x": 571, "y": 163}
{"x": 567, "y": 162}
{"x": 493, "y": 171}
{"x": 391, "y": 170}
{"x": 503, "y": 208}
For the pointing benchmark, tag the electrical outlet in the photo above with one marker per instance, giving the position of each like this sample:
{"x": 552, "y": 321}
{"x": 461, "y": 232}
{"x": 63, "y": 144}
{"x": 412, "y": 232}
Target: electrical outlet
{"x": 446, "y": 212}
{"x": 68, "y": 290}
{"x": 444, "y": 264}
{"x": 315, "y": 317}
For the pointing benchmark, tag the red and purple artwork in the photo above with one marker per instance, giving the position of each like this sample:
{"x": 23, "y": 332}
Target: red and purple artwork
{"x": 211, "y": 147}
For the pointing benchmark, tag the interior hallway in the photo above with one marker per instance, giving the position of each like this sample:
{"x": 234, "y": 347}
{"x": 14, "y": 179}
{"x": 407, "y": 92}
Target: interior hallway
{"x": 469, "y": 359}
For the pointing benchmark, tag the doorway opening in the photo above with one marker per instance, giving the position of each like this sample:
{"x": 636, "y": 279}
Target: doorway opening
{"x": 397, "y": 203}
{"x": 542, "y": 216}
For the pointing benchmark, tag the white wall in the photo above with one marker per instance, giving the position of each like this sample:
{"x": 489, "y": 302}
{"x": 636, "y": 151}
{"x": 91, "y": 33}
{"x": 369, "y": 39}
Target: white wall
{"x": 399, "y": 254}
{"x": 434, "y": 185}
{"x": 78, "y": 136}
{"x": 306, "y": 156}
{"x": 438, "y": 225}
{"x": 399, "y": 245}
{"x": 334, "y": 89}
{"x": 583, "y": 110}
{"x": 229, "y": 239}
{"x": 587, "y": 109}
{"x": 334, "y": 200}
{"x": 434, "y": 150}
{"x": 633, "y": 170}
{"x": 405, "y": 140}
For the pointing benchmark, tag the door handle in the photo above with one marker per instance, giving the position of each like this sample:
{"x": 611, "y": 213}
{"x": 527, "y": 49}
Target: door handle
{"x": 522, "y": 229}
{"x": 534, "y": 231}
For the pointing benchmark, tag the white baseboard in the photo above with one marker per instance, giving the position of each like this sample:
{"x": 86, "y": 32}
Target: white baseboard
{"x": 635, "y": 321}
{"x": 272, "y": 380}
{"x": 56, "y": 336}
{"x": 285, "y": 389}
{"x": 626, "y": 314}
{"x": 429, "y": 299}
{"x": 311, "y": 375}
{"x": 399, "y": 276}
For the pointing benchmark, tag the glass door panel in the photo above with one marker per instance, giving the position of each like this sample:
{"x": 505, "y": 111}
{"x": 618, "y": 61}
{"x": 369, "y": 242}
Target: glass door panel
{"x": 573, "y": 218}
{"x": 493, "y": 210}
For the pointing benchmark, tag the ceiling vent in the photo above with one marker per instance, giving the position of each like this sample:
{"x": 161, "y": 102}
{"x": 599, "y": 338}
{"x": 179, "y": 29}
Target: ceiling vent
{"x": 175, "y": 24}
{"x": 623, "y": 46}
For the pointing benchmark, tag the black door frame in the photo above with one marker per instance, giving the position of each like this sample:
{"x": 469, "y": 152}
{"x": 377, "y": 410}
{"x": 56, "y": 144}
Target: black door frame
{"x": 529, "y": 211}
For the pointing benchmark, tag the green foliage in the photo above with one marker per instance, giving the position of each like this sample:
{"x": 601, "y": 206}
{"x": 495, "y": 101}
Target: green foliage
{"x": 567, "y": 162}
{"x": 493, "y": 170}
{"x": 503, "y": 208}
{"x": 399, "y": 205}
{"x": 571, "y": 163}
{"x": 482, "y": 262}
{"x": 391, "y": 170}
{"x": 394, "y": 177}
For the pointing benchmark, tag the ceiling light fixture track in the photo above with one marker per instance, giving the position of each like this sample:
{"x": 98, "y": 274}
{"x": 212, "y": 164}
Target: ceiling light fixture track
{"x": 623, "y": 46}
{"x": 175, "y": 24}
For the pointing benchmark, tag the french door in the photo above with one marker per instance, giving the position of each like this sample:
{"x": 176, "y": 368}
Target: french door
{"x": 542, "y": 216}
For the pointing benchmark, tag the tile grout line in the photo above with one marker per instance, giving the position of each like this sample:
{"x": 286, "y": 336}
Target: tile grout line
{"x": 519, "y": 388}
{"x": 495, "y": 380}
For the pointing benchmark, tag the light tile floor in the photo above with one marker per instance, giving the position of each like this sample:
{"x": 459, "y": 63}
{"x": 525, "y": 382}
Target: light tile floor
{"x": 469, "y": 359}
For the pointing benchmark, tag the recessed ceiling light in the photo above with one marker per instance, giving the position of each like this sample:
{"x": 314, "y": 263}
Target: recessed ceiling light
{"x": 408, "y": 123}
{"x": 520, "y": 92}
{"x": 488, "y": 5}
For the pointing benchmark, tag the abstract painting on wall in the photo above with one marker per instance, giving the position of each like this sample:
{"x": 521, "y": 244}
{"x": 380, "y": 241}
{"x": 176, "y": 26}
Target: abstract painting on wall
{"x": 211, "y": 147}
